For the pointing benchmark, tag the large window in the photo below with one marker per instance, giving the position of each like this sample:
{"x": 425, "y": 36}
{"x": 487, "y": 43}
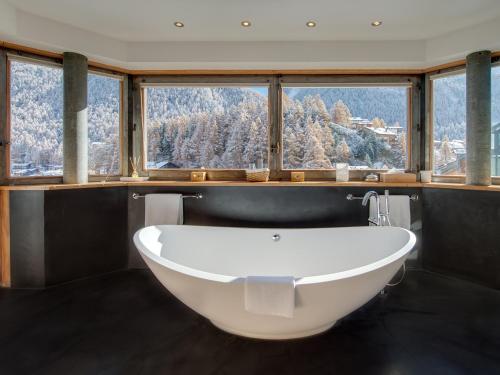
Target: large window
{"x": 495, "y": 121}
{"x": 36, "y": 120}
{"x": 448, "y": 124}
{"x": 104, "y": 119}
{"x": 206, "y": 127}
{"x": 36, "y": 112}
{"x": 366, "y": 127}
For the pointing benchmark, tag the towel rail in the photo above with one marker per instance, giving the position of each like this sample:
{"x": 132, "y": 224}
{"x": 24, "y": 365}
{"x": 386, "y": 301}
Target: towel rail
{"x": 350, "y": 197}
{"x": 195, "y": 196}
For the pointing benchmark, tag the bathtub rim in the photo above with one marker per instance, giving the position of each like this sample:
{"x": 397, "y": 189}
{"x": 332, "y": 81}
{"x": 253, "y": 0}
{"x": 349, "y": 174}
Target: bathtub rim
{"x": 307, "y": 280}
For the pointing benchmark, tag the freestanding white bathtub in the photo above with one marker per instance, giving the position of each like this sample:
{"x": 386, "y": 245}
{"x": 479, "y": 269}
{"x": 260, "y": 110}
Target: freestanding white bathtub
{"x": 336, "y": 271}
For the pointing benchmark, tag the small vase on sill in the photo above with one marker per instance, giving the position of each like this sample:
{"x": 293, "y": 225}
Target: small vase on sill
{"x": 134, "y": 162}
{"x": 342, "y": 172}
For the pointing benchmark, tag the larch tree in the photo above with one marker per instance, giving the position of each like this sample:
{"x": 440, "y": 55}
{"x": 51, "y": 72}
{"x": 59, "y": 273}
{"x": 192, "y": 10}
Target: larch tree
{"x": 208, "y": 157}
{"x": 328, "y": 142}
{"x": 403, "y": 143}
{"x": 292, "y": 150}
{"x": 343, "y": 151}
{"x": 314, "y": 156}
{"x": 378, "y": 123}
{"x": 252, "y": 149}
{"x": 341, "y": 114}
{"x": 233, "y": 156}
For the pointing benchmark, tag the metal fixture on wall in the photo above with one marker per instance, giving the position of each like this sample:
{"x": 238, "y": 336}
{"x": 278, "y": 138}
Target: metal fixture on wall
{"x": 351, "y": 197}
{"x": 195, "y": 196}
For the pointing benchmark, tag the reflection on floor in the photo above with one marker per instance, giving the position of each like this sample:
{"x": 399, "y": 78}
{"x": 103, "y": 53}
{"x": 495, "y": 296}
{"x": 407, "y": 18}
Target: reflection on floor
{"x": 126, "y": 323}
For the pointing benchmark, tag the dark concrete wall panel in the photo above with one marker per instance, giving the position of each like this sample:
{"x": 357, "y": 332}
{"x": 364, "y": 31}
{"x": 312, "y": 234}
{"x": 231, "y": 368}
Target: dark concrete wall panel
{"x": 63, "y": 235}
{"x": 27, "y": 251}
{"x": 461, "y": 234}
{"x": 85, "y": 232}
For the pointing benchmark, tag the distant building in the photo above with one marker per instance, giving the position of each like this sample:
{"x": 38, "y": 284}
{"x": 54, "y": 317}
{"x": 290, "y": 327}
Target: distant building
{"x": 456, "y": 164}
{"x": 384, "y": 134}
{"x": 396, "y": 129}
{"x": 359, "y": 123}
{"x": 161, "y": 165}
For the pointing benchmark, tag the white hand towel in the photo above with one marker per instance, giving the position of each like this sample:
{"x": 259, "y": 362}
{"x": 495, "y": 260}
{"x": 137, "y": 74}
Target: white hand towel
{"x": 163, "y": 209}
{"x": 399, "y": 210}
{"x": 270, "y": 295}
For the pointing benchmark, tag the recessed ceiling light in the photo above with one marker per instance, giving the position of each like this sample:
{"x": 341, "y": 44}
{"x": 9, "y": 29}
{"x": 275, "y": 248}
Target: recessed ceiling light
{"x": 178, "y": 24}
{"x": 311, "y": 24}
{"x": 246, "y": 23}
{"x": 376, "y": 23}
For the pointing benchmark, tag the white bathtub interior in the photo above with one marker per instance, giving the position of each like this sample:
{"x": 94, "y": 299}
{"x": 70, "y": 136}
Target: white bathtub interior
{"x": 242, "y": 252}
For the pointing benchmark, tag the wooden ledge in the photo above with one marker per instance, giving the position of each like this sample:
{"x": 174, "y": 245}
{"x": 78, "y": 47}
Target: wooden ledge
{"x": 443, "y": 185}
{"x": 93, "y": 185}
{"x": 158, "y": 183}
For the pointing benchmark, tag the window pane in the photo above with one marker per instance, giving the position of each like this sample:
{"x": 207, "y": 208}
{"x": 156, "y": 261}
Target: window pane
{"x": 36, "y": 112}
{"x": 449, "y": 106}
{"x": 210, "y": 127}
{"x": 495, "y": 121}
{"x": 363, "y": 126}
{"x": 104, "y": 125}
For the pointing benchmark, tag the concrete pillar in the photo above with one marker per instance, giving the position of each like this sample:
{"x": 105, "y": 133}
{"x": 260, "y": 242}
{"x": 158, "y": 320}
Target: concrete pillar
{"x": 75, "y": 126}
{"x": 478, "y": 134}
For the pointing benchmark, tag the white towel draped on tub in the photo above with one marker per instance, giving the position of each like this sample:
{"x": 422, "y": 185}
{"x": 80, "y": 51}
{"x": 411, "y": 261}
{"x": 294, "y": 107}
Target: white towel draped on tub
{"x": 163, "y": 209}
{"x": 270, "y": 295}
{"x": 399, "y": 210}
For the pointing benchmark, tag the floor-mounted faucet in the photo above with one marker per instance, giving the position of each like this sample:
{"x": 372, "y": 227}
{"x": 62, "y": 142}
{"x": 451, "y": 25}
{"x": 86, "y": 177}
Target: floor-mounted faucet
{"x": 382, "y": 217}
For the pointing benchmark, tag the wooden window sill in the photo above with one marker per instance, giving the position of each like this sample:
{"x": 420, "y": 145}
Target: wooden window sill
{"x": 158, "y": 183}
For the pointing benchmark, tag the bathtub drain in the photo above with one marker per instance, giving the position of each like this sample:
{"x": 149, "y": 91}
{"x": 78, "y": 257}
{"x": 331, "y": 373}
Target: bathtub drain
{"x": 276, "y": 237}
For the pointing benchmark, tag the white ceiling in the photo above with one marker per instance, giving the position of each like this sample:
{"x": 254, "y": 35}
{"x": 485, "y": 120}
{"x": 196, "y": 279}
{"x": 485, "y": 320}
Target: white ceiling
{"x": 272, "y": 20}
{"x": 139, "y": 34}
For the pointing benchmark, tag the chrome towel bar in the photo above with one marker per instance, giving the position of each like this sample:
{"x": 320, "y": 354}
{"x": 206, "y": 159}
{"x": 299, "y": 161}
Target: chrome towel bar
{"x": 350, "y": 197}
{"x": 195, "y": 196}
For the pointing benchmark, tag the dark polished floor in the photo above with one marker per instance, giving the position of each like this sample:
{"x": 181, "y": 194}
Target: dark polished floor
{"x": 126, "y": 323}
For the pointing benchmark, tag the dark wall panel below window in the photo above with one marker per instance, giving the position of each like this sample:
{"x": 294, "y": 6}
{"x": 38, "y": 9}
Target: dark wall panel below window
{"x": 27, "y": 239}
{"x": 63, "y": 235}
{"x": 461, "y": 234}
{"x": 85, "y": 232}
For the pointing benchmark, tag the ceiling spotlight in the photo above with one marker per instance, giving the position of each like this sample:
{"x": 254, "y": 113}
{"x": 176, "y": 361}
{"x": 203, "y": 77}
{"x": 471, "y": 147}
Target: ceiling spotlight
{"x": 178, "y": 24}
{"x": 376, "y": 23}
{"x": 246, "y": 23}
{"x": 311, "y": 24}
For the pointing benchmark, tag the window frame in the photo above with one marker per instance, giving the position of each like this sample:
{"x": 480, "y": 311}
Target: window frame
{"x": 495, "y": 63}
{"x": 12, "y": 55}
{"x": 122, "y": 159}
{"x": 274, "y": 81}
{"x": 411, "y": 82}
{"x": 140, "y": 136}
{"x": 36, "y": 60}
{"x": 457, "y": 178}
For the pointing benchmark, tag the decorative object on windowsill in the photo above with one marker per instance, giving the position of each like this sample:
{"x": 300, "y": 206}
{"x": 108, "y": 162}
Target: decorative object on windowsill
{"x": 133, "y": 179}
{"x": 425, "y": 176}
{"x": 372, "y": 177}
{"x": 398, "y": 176}
{"x": 342, "y": 172}
{"x": 198, "y": 176}
{"x": 260, "y": 161}
{"x": 257, "y": 175}
{"x": 297, "y": 176}
{"x": 134, "y": 162}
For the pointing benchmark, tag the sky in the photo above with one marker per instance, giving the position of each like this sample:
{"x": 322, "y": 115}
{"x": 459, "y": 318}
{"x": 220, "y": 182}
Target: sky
{"x": 260, "y": 90}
